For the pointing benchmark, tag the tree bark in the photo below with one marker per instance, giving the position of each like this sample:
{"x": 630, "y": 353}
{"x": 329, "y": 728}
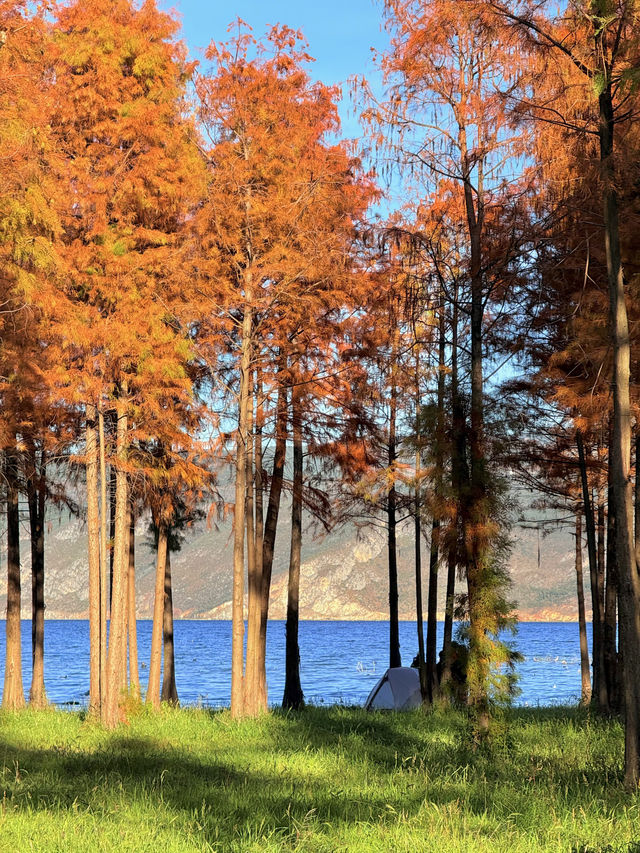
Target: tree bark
{"x": 155, "y": 661}
{"x": 459, "y": 477}
{"x": 637, "y": 500}
{"x": 36, "y": 496}
{"x": 96, "y": 673}
{"x": 13, "y": 692}
{"x": 253, "y": 673}
{"x": 597, "y": 627}
{"x": 104, "y": 550}
{"x": 169, "y": 689}
{"x": 611, "y": 608}
{"x": 134, "y": 673}
{"x": 293, "y": 696}
{"x": 254, "y": 574}
{"x": 392, "y": 556}
{"x": 116, "y": 657}
{"x": 582, "y": 623}
{"x": 599, "y": 676}
{"x": 112, "y": 529}
{"x": 434, "y": 554}
{"x": 422, "y": 663}
{"x": 237, "y": 601}
{"x": 270, "y": 528}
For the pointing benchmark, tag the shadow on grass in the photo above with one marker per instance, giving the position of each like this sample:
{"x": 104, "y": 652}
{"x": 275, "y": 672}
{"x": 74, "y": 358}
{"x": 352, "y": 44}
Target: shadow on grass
{"x": 339, "y": 765}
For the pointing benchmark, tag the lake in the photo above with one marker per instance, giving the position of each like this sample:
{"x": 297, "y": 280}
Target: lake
{"x": 340, "y": 661}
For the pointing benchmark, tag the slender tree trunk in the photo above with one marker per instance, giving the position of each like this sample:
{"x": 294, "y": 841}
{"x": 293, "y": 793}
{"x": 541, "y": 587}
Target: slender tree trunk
{"x": 447, "y": 639}
{"x": 36, "y": 492}
{"x": 434, "y": 555}
{"x": 253, "y": 673}
{"x": 422, "y": 663}
{"x": 582, "y": 623}
{"x": 96, "y": 673}
{"x": 254, "y": 577}
{"x": 637, "y": 501}
{"x": 134, "y": 673}
{"x": 459, "y": 476}
{"x": 237, "y": 605}
{"x": 169, "y": 689}
{"x": 628, "y": 577}
{"x": 112, "y": 528}
{"x": 270, "y": 528}
{"x": 116, "y": 657}
{"x": 476, "y": 512}
{"x": 293, "y": 697}
{"x": 611, "y": 608}
{"x": 597, "y": 627}
{"x": 155, "y": 661}
{"x": 13, "y": 693}
{"x": 103, "y": 558}
{"x": 394, "y": 628}
{"x": 599, "y": 676}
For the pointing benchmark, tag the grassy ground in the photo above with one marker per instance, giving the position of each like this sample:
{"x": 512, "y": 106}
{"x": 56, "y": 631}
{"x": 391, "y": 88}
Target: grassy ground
{"x": 329, "y": 779}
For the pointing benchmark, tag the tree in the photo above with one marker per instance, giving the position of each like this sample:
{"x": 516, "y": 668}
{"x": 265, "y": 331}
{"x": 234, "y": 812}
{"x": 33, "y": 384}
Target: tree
{"x": 445, "y": 61}
{"x": 594, "y": 46}
{"x": 273, "y": 256}
{"x": 131, "y": 173}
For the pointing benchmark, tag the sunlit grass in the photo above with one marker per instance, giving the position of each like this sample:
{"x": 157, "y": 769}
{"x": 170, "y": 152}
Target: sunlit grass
{"x": 330, "y": 779}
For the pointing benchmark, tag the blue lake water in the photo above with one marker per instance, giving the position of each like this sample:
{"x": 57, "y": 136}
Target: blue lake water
{"x": 340, "y": 661}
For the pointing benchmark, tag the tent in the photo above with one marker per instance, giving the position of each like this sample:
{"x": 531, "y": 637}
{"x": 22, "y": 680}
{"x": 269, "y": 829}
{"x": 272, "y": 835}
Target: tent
{"x": 397, "y": 690}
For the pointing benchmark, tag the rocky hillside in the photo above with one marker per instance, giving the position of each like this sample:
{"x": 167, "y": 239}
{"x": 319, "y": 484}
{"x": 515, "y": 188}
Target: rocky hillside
{"x": 343, "y": 574}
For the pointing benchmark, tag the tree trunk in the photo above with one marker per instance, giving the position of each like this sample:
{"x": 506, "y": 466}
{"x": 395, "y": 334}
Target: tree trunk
{"x": 611, "y": 608}
{"x": 582, "y": 623}
{"x": 237, "y": 602}
{"x": 254, "y": 575}
{"x": 270, "y": 528}
{"x": 155, "y": 661}
{"x": 116, "y": 657}
{"x": 169, "y": 689}
{"x": 447, "y": 638}
{"x": 394, "y": 628}
{"x": 253, "y": 674}
{"x": 96, "y": 673}
{"x": 459, "y": 477}
{"x": 628, "y": 577}
{"x": 134, "y": 673}
{"x": 432, "y": 623}
{"x": 599, "y": 675}
{"x": 36, "y": 495}
{"x": 13, "y": 693}
{"x": 104, "y": 550}
{"x": 112, "y": 528}
{"x": 293, "y": 697}
{"x": 597, "y": 627}
{"x": 422, "y": 663}
{"x": 637, "y": 501}
{"x": 475, "y": 511}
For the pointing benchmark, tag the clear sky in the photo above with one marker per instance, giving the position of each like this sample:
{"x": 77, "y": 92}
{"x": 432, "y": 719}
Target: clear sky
{"x": 340, "y": 33}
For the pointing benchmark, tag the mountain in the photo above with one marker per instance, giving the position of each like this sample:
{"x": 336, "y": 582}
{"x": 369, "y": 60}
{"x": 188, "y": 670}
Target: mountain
{"x": 344, "y": 573}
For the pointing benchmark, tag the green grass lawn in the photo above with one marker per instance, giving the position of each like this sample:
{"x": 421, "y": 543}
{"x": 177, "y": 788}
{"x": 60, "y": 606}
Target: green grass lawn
{"x": 330, "y": 779}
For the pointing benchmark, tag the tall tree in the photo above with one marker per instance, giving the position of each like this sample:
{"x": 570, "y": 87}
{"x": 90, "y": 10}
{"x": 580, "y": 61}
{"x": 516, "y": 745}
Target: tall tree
{"x": 593, "y": 46}
{"x": 131, "y": 171}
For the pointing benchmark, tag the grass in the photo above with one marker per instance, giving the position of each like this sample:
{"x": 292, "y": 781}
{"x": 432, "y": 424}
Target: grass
{"x": 323, "y": 780}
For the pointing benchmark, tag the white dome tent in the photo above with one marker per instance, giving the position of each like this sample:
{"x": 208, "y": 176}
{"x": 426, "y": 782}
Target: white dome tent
{"x": 397, "y": 690}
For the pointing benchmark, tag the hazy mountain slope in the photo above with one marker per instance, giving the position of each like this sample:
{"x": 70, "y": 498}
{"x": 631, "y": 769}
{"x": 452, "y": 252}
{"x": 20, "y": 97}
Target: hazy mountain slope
{"x": 344, "y": 574}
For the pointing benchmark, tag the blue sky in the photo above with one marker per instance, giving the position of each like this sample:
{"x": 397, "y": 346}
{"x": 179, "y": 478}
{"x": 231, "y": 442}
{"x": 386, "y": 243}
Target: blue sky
{"x": 340, "y": 33}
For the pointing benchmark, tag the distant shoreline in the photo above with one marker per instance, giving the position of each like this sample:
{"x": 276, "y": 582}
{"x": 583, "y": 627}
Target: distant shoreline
{"x": 529, "y": 619}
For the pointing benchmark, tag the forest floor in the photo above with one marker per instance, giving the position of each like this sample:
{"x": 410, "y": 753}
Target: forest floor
{"x": 326, "y": 779}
